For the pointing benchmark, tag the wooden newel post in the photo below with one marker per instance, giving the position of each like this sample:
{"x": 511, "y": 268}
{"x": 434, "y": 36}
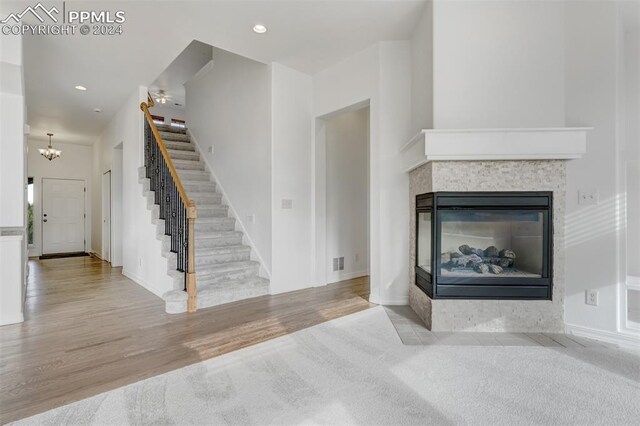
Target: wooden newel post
{"x": 191, "y": 267}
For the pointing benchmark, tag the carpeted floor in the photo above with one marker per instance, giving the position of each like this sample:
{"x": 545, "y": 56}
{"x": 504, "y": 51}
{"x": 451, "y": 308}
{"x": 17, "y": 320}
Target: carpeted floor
{"x": 355, "y": 370}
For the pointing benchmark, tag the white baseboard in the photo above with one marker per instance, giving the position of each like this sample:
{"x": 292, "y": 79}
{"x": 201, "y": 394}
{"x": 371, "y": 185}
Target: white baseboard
{"x": 138, "y": 280}
{"x": 12, "y": 320}
{"x": 403, "y": 301}
{"x": 342, "y": 276}
{"x": 624, "y": 340}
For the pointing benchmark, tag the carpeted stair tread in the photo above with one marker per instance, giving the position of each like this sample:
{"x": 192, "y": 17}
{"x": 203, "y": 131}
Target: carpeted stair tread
{"x": 177, "y": 154}
{"x": 181, "y": 146}
{"x": 171, "y": 136}
{"x": 204, "y": 271}
{"x": 164, "y": 128}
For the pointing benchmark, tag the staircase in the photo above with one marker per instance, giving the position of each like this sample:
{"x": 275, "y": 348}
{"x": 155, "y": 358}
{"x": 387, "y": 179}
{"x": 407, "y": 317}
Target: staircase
{"x": 224, "y": 269}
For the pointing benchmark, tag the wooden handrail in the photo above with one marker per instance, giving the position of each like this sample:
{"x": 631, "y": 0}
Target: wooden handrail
{"x": 190, "y": 207}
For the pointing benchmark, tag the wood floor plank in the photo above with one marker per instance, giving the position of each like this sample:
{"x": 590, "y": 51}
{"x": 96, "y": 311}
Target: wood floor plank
{"x": 89, "y": 329}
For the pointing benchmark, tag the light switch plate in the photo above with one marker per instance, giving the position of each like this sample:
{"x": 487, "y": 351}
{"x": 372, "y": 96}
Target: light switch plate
{"x": 287, "y": 204}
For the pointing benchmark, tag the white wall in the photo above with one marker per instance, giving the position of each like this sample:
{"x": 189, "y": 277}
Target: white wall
{"x": 422, "y": 71}
{"x": 347, "y": 161}
{"x": 75, "y": 162}
{"x": 292, "y": 236}
{"x": 498, "y": 64}
{"x": 142, "y": 260}
{"x": 168, "y": 112}
{"x": 13, "y": 247}
{"x": 229, "y": 109}
{"x": 380, "y": 74}
{"x": 591, "y": 231}
{"x": 12, "y": 140}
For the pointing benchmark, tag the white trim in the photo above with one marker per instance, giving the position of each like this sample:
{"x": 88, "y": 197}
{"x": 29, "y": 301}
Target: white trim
{"x": 403, "y": 301}
{"x": 493, "y": 145}
{"x": 246, "y": 238}
{"x": 141, "y": 282}
{"x": 12, "y": 319}
{"x": 343, "y": 276}
{"x": 625, "y": 340}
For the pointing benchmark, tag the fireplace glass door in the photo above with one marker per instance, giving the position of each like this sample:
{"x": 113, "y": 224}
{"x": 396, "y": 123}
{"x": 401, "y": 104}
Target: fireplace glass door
{"x": 491, "y": 245}
{"x": 500, "y": 243}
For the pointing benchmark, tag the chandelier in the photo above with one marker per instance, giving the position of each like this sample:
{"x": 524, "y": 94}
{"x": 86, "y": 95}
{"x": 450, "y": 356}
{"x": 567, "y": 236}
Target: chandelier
{"x": 50, "y": 153}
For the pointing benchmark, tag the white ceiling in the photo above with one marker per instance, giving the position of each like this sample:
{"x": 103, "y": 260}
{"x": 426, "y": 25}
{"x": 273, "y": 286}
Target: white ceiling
{"x": 185, "y": 66}
{"x": 308, "y": 35}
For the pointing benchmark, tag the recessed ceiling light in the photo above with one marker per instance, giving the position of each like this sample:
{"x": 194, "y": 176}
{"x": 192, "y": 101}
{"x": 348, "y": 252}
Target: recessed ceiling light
{"x": 81, "y": 88}
{"x": 97, "y": 110}
{"x": 259, "y": 29}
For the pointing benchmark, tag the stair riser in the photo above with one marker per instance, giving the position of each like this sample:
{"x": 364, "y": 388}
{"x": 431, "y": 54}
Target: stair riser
{"x": 213, "y": 227}
{"x": 171, "y": 136}
{"x": 215, "y": 259}
{"x": 212, "y": 198}
{"x": 179, "y": 146}
{"x": 218, "y": 242}
{"x": 188, "y": 165}
{"x": 200, "y": 176}
{"x": 212, "y": 213}
{"x": 191, "y": 187}
{"x": 184, "y": 155}
{"x": 226, "y": 276}
{"x": 170, "y": 129}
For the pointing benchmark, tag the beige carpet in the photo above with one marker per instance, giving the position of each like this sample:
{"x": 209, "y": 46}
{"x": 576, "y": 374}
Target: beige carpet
{"x": 355, "y": 370}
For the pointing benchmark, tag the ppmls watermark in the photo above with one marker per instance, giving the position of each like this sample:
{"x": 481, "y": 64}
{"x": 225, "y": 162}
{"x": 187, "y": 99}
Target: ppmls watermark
{"x": 60, "y": 21}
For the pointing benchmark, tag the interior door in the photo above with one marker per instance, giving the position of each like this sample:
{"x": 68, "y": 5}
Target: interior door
{"x": 63, "y": 216}
{"x": 106, "y": 216}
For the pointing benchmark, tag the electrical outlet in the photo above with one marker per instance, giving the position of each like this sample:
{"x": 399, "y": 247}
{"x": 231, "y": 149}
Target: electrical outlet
{"x": 591, "y": 297}
{"x": 210, "y": 149}
{"x": 140, "y": 261}
{"x": 251, "y": 218}
{"x": 357, "y": 257}
{"x": 588, "y": 197}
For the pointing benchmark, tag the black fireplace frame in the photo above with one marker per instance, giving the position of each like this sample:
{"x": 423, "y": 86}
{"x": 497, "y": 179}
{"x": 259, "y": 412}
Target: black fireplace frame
{"x": 484, "y": 287}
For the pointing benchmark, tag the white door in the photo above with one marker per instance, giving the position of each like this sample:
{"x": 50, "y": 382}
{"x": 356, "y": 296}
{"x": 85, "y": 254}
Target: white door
{"x": 62, "y": 216}
{"x": 106, "y": 216}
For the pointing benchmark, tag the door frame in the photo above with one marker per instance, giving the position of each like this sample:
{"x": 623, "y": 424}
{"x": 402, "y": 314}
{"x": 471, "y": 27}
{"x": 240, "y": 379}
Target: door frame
{"x": 84, "y": 207}
{"x": 107, "y": 196}
{"x": 320, "y": 256}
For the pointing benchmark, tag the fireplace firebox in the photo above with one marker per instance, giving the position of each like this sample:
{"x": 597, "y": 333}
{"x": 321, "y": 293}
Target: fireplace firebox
{"x": 484, "y": 245}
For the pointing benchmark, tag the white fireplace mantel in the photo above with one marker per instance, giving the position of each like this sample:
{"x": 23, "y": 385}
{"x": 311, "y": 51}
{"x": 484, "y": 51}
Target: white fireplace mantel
{"x": 565, "y": 143}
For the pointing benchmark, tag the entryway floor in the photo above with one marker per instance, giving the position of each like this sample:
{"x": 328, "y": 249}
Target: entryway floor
{"x": 412, "y": 331}
{"x": 89, "y": 329}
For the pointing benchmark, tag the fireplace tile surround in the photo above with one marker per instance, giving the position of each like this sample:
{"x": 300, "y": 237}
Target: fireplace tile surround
{"x": 483, "y": 176}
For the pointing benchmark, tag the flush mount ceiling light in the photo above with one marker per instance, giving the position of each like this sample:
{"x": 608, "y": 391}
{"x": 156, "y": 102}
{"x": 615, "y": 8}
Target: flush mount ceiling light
{"x": 97, "y": 110}
{"x": 49, "y": 153}
{"x": 82, "y": 88}
{"x": 259, "y": 29}
{"x": 161, "y": 97}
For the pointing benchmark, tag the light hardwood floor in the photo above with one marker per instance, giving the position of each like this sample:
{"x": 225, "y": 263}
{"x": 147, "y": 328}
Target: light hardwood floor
{"x": 89, "y": 329}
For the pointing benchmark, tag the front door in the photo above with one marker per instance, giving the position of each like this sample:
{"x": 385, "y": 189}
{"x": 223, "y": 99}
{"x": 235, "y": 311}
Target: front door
{"x": 62, "y": 216}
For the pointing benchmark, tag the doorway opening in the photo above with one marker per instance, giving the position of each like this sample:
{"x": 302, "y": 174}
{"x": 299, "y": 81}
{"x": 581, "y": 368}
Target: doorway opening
{"x": 342, "y": 200}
